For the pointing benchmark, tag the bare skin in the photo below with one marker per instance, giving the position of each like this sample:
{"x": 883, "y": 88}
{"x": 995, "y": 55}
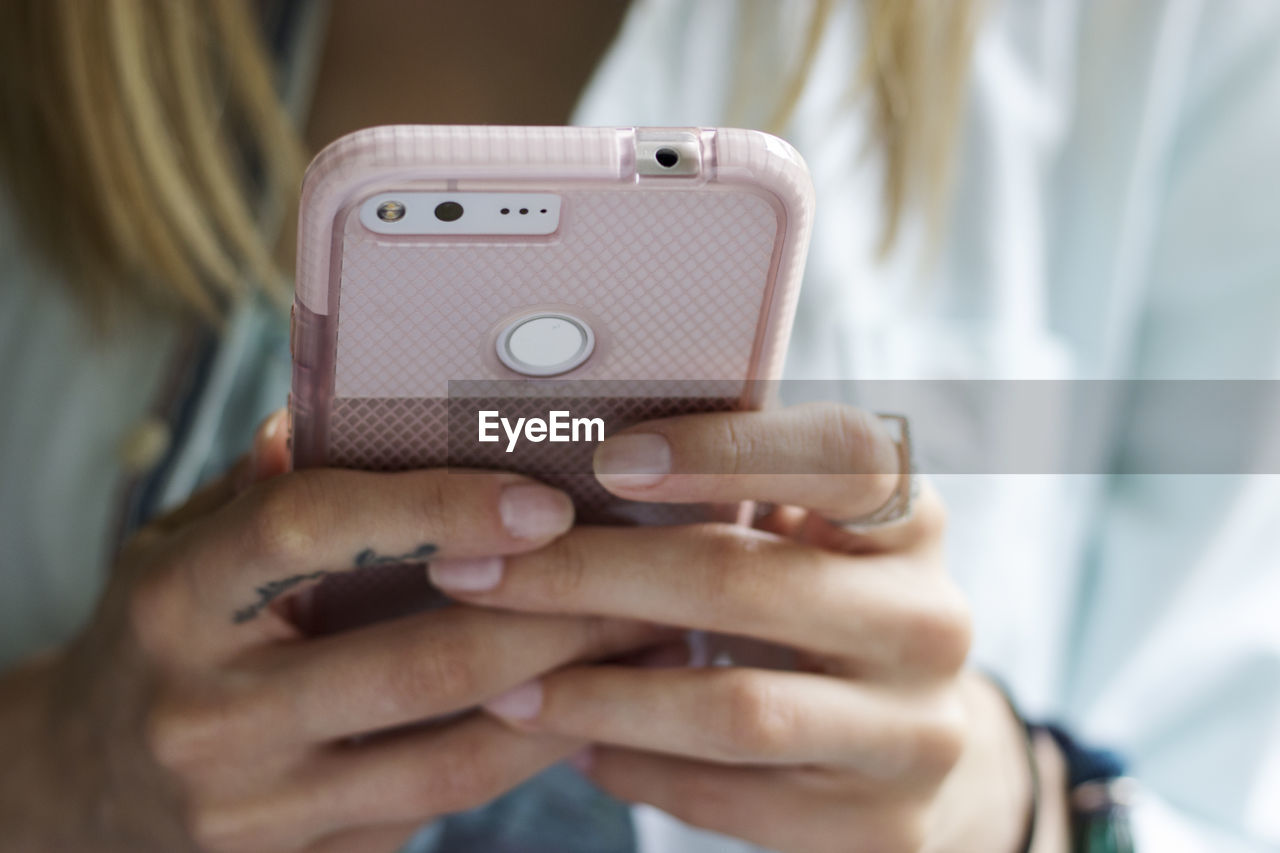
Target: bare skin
{"x": 880, "y": 740}
{"x": 191, "y": 715}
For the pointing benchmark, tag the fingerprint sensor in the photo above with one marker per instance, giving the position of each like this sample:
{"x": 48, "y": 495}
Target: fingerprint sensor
{"x": 545, "y": 344}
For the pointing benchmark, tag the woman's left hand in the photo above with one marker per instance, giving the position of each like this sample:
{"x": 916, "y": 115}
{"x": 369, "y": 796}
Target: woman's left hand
{"x": 879, "y": 740}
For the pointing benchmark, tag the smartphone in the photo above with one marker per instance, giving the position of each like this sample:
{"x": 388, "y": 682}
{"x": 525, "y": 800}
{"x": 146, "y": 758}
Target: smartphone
{"x": 622, "y": 274}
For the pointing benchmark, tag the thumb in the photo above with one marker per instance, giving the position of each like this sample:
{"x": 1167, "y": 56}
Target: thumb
{"x": 270, "y": 454}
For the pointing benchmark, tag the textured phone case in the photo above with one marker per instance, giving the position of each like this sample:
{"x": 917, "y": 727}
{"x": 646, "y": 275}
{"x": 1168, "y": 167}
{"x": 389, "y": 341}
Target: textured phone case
{"x": 689, "y": 278}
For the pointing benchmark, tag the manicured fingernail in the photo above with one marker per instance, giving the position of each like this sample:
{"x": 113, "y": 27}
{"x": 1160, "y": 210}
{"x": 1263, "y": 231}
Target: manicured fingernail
{"x": 518, "y": 703}
{"x": 582, "y": 760}
{"x": 475, "y": 574}
{"x": 635, "y": 459}
{"x": 531, "y": 511}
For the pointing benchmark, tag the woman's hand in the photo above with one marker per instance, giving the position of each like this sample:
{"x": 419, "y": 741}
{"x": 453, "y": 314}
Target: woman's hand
{"x": 879, "y": 740}
{"x": 192, "y": 715}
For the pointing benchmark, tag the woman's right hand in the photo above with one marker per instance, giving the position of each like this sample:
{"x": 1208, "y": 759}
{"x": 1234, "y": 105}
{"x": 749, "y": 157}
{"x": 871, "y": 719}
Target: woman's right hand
{"x": 191, "y": 714}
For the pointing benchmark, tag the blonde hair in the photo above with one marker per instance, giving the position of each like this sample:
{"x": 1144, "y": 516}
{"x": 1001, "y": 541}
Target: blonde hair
{"x": 915, "y": 62}
{"x": 144, "y": 138}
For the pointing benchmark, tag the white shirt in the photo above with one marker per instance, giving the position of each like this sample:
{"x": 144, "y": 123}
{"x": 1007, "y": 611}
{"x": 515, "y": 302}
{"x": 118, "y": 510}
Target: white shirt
{"x": 1117, "y": 215}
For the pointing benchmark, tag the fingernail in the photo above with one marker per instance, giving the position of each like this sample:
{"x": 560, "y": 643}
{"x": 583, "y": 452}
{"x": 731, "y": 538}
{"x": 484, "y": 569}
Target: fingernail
{"x": 635, "y": 459}
{"x": 532, "y": 511}
{"x": 582, "y": 760}
{"x": 268, "y": 428}
{"x": 267, "y": 431}
{"x": 265, "y": 434}
{"x": 518, "y": 703}
{"x": 475, "y": 574}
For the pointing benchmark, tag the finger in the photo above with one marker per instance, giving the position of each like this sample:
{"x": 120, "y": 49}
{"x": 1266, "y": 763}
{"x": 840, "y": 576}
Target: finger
{"x": 290, "y": 532}
{"x": 769, "y": 807}
{"x": 837, "y": 460}
{"x": 735, "y": 715}
{"x": 881, "y": 612}
{"x": 428, "y": 774}
{"x": 270, "y": 453}
{"x": 414, "y": 776}
{"x": 412, "y": 669}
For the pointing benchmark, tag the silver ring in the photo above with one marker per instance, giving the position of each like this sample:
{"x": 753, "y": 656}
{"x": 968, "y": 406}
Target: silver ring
{"x": 899, "y": 505}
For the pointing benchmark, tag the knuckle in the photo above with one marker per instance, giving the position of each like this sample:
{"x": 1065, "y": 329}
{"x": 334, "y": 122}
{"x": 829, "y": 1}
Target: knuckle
{"x": 566, "y": 571}
{"x": 716, "y": 554}
{"x": 942, "y": 735}
{"x": 729, "y": 561}
{"x": 435, "y": 504}
{"x": 176, "y": 735}
{"x": 737, "y": 444}
{"x": 941, "y": 631}
{"x": 439, "y": 679}
{"x": 283, "y": 522}
{"x": 185, "y": 733}
{"x": 759, "y": 722}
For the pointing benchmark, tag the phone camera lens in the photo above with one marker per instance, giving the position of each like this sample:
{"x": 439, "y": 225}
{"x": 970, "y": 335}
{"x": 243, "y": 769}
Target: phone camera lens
{"x": 667, "y": 157}
{"x": 391, "y": 211}
{"x": 448, "y": 211}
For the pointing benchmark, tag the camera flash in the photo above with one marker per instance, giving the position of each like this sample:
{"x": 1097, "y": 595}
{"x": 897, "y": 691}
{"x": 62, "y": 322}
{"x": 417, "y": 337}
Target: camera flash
{"x": 391, "y": 211}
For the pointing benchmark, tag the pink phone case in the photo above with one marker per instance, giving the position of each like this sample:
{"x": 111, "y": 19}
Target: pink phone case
{"x": 682, "y": 278}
